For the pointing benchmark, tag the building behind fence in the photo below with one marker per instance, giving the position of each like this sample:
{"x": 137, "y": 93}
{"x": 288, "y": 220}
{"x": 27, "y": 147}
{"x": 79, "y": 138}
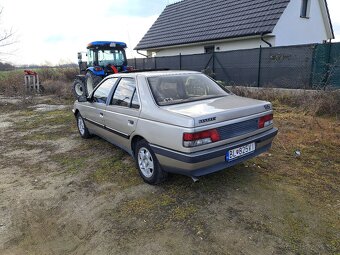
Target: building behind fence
{"x": 312, "y": 66}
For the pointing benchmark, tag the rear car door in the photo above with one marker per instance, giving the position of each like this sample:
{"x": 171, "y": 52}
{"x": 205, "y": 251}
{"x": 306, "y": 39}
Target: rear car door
{"x": 122, "y": 112}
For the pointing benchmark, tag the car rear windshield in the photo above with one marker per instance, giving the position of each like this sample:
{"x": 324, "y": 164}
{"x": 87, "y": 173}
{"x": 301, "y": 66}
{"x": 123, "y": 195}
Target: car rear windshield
{"x": 183, "y": 88}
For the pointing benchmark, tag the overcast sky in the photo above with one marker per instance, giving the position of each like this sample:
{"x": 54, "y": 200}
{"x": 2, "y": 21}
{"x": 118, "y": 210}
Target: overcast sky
{"x": 54, "y": 31}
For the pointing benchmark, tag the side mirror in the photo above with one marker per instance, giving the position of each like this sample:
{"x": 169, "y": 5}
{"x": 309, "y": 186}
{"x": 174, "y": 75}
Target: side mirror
{"x": 79, "y": 56}
{"x": 82, "y": 99}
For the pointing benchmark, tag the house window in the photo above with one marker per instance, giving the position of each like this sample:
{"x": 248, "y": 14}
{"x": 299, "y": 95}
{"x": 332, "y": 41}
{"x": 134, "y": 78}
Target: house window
{"x": 209, "y": 49}
{"x": 305, "y": 6}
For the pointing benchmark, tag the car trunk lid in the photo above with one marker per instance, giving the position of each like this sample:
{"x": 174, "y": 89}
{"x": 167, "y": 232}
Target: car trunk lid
{"x": 210, "y": 111}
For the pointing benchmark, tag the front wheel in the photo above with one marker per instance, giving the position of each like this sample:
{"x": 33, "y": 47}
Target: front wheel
{"x": 83, "y": 131}
{"x": 147, "y": 164}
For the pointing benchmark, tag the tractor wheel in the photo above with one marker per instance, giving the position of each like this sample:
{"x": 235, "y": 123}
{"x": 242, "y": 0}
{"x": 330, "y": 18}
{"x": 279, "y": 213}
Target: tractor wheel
{"x": 78, "y": 88}
{"x": 91, "y": 82}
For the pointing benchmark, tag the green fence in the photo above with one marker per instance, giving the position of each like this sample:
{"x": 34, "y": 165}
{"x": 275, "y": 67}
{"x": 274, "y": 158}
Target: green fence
{"x": 326, "y": 66}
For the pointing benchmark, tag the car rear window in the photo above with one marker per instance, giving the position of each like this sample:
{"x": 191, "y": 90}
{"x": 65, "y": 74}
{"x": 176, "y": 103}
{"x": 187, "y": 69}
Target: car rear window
{"x": 182, "y": 88}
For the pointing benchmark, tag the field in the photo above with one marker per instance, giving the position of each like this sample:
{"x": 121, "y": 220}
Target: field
{"x": 61, "y": 194}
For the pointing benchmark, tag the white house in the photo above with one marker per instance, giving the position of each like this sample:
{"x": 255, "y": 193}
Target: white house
{"x": 199, "y": 26}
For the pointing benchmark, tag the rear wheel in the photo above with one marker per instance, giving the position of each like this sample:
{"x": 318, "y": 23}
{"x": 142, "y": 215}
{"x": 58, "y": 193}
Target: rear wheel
{"x": 78, "y": 88}
{"x": 147, "y": 164}
{"x": 91, "y": 81}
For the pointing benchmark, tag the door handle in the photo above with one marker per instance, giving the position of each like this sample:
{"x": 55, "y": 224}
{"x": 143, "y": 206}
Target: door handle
{"x": 131, "y": 122}
{"x": 101, "y": 115}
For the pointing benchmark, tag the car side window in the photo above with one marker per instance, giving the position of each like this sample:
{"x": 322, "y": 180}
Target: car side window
{"x": 135, "y": 100}
{"x": 124, "y": 92}
{"x": 103, "y": 91}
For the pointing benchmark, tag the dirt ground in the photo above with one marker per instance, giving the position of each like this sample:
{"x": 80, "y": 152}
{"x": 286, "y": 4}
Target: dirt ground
{"x": 60, "y": 194}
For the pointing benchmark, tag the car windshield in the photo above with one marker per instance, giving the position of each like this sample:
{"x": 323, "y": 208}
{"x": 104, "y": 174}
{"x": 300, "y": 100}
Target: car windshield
{"x": 182, "y": 88}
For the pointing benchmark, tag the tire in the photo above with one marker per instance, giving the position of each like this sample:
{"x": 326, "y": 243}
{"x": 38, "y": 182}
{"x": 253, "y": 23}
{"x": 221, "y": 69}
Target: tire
{"x": 91, "y": 82}
{"x": 78, "y": 88}
{"x": 147, "y": 164}
{"x": 83, "y": 131}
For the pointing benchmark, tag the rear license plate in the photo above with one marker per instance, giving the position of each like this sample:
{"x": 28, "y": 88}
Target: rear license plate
{"x": 240, "y": 151}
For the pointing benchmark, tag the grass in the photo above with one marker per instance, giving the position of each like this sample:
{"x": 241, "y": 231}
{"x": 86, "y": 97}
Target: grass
{"x": 44, "y": 120}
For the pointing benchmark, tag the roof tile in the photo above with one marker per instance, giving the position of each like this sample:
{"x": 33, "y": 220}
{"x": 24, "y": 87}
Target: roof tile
{"x": 192, "y": 21}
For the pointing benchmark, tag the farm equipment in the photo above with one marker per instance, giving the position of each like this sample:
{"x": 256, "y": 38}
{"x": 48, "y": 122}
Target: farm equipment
{"x": 103, "y": 58}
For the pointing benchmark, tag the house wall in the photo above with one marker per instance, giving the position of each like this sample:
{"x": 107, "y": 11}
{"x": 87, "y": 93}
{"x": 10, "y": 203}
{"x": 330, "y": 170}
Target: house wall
{"x": 219, "y": 46}
{"x": 291, "y": 29}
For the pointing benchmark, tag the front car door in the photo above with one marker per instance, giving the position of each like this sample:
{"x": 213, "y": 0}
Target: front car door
{"x": 122, "y": 112}
{"x": 93, "y": 112}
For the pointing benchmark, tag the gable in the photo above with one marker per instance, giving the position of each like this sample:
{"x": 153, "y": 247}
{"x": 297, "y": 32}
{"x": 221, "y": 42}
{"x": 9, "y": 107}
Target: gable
{"x": 192, "y": 21}
{"x": 292, "y": 28}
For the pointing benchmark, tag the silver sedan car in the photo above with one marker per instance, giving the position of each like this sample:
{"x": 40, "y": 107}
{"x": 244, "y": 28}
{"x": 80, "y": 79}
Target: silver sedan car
{"x": 175, "y": 122}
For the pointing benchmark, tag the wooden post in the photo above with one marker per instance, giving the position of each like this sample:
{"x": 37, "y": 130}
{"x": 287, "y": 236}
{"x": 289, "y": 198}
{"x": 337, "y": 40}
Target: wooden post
{"x": 32, "y": 82}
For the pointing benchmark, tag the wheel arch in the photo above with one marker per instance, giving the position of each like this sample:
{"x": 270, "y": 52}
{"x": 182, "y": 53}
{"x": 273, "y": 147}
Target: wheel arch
{"x": 76, "y": 111}
{"x": 94, "y": 72}
{"x": 134, "y": 141}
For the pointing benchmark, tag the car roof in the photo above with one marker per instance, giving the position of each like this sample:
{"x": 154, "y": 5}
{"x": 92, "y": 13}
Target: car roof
{"x": 153, "y": 73}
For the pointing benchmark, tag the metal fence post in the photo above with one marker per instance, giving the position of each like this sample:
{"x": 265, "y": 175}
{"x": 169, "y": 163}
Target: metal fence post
{"x": 259, "y": 70}
{"x": 326, "y": 81}
{"x": 213, "y": 61}
{"x": 311, "y": 77}
{"x": 180, "y": 61}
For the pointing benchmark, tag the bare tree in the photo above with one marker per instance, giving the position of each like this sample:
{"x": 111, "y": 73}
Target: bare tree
{"x": 6, "y": 39}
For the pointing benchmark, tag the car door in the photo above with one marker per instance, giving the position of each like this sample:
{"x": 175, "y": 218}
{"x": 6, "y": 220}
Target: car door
{"x": 94, "y": 112}
{"x": 122, "y": 112}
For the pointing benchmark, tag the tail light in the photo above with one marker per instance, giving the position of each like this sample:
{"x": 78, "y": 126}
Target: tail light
{"x": 200, "y": 138}
{"x": 266, "y": 121}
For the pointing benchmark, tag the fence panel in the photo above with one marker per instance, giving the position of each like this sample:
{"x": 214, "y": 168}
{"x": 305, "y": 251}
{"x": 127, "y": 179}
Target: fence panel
{"x": 287, "y": 67}
{"x": 334, "y": 72}
{"x": 326, "y": 69}
{"x": 149, "y": 63}
{"x": 196, "y": 62}
{"x": 301, "y": 66}
{"x": 237, "y": 67}
{"x": 171, "y": 62}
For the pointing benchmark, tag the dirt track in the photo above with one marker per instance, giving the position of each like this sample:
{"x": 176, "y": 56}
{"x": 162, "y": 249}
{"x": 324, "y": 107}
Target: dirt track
{"x": 61, "y": 194}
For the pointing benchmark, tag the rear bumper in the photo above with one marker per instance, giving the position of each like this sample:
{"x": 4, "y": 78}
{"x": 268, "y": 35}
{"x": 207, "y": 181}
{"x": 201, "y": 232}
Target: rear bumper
{"x": 212, "y": 160}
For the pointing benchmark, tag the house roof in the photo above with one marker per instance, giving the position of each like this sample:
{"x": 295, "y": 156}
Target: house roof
{"x": 191, "y": 21}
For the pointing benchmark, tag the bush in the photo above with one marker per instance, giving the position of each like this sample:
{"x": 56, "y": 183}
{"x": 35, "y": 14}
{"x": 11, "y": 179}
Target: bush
{"x": 60, "y": 89}
{"x": 12, "y": 84}
{"x": 314, "y": 102}
{"x": 57, "y": 73}
{"x": 55, "y": 81}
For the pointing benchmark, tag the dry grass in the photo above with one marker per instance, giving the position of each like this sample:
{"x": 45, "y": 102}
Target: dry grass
{"x": 55, "y": 81}
{"x": 60, "y": 89}
{"x": 65, "y": 74}
{"x": 315, "y": 103}
{"x": 11, "y": 84}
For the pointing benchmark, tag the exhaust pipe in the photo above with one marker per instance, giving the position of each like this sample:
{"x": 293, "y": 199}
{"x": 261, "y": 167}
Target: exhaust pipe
{"x": 195, "y": 179}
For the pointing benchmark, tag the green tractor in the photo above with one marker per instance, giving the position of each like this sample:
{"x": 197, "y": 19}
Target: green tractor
{"x": 103, "y": 58}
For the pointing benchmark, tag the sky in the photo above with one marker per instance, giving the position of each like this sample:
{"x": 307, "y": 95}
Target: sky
{"x": 52, "y": 32}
